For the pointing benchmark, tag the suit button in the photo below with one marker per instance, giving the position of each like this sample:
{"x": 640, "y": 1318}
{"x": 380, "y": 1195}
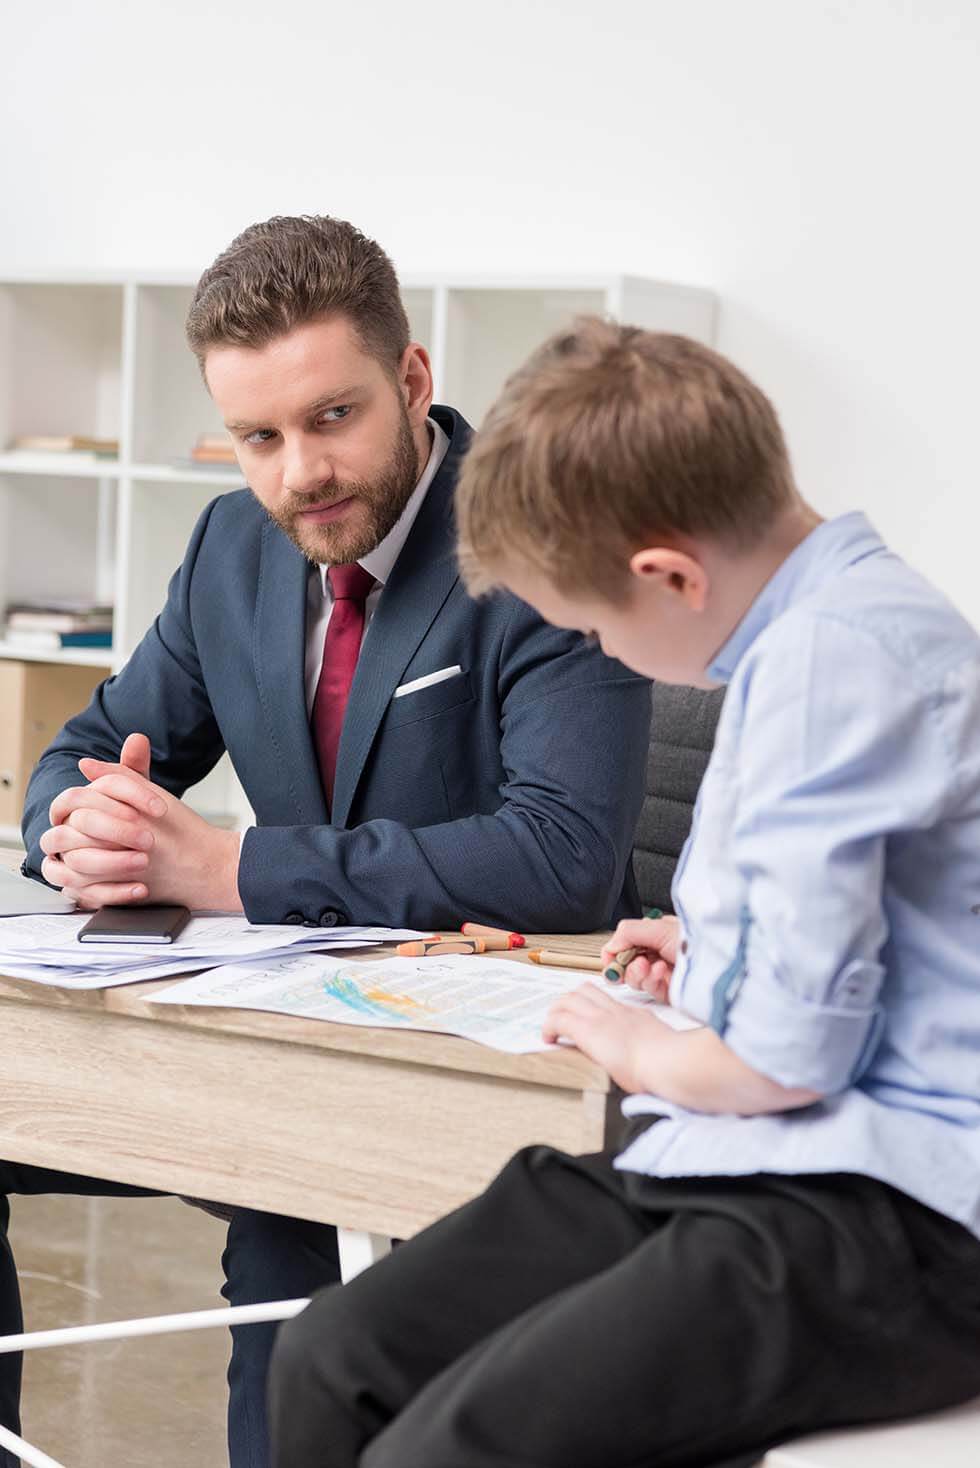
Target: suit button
{"x": 295, "y": 918}
{"x": 684, "y": 945}
{"x": 329, "y": 917}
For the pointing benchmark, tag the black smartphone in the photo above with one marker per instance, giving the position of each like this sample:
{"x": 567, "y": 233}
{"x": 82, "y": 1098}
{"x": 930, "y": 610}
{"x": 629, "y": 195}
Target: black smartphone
{"x": 134, "y": 925}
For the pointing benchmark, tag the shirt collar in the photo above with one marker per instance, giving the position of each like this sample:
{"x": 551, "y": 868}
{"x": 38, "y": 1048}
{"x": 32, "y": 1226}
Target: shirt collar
{"x": 381, "y": 560}
{"x": 829, "y": 549}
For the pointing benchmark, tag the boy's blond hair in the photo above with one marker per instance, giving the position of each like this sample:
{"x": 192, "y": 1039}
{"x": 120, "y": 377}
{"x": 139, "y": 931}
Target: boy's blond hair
{"x": 608, "y": 438}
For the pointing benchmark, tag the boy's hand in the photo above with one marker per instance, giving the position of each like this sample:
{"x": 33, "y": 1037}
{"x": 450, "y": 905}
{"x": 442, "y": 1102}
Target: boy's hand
{"x": 621, "y": 1038}
{"x": 651, "y": 969}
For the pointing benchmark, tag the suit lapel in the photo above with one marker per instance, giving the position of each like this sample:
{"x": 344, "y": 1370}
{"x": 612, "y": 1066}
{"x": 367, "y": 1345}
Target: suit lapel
{"x": 421, "y": 580}
{"x": 279, "y": 655}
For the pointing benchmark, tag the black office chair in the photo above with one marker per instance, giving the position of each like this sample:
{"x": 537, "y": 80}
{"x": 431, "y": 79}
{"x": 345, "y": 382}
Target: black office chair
{"x": 681, "y": 737}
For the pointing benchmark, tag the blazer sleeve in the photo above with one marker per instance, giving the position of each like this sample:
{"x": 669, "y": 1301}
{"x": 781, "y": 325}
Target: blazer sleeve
{"x": 160, "y": 692}
{"x": 573, "y": 736}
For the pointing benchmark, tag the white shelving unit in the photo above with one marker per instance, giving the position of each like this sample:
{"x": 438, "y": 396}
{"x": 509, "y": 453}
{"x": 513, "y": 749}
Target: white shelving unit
{"x": 106, "y": 356}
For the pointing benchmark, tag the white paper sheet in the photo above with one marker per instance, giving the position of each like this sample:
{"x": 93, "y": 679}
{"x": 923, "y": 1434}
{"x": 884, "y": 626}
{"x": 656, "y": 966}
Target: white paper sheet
{"x": 63, "y": 976}
{"x": 495, "y": 1001}
{"x": 44, "y": 948}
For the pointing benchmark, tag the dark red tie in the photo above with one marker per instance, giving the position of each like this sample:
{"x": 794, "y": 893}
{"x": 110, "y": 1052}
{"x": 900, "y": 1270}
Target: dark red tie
{"x": 351, "y": 585}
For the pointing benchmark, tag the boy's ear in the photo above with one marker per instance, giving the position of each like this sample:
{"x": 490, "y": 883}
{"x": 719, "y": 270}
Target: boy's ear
{"x": 676, "y": 573}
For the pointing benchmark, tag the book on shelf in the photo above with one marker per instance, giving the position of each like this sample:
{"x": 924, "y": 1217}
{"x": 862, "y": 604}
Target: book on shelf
{"x": 63, "y": 617}
{"x": 65, "y": 443}
{"x": 37, "y": 639}
{"x": 213, "y": 448}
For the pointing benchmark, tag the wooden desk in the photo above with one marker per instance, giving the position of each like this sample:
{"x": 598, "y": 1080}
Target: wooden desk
{"x": 374, "y": 1130}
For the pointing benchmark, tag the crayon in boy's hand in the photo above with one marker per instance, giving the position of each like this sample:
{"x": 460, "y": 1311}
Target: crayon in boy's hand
{"x": 617, "y": 969}
{"x": 565, "y": 960}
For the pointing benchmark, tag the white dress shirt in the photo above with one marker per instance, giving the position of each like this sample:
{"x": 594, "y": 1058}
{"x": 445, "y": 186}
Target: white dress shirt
{"x": 378, "y": 562}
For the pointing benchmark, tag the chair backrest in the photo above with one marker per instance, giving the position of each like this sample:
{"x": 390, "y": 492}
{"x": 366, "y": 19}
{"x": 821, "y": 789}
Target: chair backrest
{"x": 681, "y": 737}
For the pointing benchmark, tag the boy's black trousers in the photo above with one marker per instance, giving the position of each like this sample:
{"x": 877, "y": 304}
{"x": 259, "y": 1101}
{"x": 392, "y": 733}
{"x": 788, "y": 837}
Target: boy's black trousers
{"x": 576, "y": 1317}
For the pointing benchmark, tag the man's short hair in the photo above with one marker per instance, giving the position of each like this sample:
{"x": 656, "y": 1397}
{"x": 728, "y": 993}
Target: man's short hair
{"x": 289, "y": 271}
{"x": 608, "y": 437}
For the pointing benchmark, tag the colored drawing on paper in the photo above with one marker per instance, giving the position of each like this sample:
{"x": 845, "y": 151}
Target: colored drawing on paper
{"x": 371, "y": 1001}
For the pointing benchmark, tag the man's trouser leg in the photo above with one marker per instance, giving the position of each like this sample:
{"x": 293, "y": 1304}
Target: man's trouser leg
{"x": 267, "y": 1258}
{"x": 16, "y": 1177}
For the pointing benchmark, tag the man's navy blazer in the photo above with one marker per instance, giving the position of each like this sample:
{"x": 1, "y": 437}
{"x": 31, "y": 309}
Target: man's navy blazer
{"x": 508, "y": 793}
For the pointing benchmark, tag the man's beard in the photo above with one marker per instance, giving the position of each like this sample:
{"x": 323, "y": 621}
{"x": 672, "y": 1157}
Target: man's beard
{"x": 384, "y": 498}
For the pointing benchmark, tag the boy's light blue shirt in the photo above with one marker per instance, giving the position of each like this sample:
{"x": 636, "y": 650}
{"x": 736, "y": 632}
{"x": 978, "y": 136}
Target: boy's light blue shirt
{"x": 829, "y": 893}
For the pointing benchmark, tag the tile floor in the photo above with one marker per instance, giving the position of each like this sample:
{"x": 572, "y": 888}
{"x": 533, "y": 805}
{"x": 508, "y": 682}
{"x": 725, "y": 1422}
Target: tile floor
{"x": 158, "y": 1401}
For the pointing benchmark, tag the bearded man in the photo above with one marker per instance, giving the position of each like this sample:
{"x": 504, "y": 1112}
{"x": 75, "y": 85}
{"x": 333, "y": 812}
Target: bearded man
{"x": 413, "y": 757}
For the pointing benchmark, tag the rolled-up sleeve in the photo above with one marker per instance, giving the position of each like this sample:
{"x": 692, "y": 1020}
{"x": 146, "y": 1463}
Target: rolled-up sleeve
{"x": 837, "y": 757}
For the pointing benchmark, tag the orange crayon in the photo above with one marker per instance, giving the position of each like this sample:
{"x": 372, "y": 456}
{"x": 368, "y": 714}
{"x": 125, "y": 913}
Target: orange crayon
{"x": 431, "y": 947}
{"x": 491, "y": 943}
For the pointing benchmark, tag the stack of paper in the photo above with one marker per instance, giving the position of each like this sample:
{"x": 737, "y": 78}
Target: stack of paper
{"x": 45, "y": 948}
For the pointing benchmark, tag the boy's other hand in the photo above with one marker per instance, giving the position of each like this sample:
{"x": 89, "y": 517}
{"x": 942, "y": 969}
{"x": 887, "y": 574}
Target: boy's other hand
{"x": 653, "y": 966}
{"x": 626, "y": 1041}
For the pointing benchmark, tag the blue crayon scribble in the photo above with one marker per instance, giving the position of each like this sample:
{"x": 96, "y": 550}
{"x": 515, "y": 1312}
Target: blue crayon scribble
{"x": 347, "y": 991}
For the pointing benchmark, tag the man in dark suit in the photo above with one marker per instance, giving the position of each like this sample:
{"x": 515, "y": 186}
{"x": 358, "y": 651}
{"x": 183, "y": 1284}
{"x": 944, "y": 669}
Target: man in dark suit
{"x": 412, "y": 756}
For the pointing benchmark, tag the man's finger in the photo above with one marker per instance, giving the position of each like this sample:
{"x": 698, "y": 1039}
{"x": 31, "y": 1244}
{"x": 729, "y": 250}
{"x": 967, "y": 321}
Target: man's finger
{"x": 78, "y": 797}
{"x": 97, "y": 864}
{"x": 135, "y": 754}
{"x": 130, "y": 789}
{"x": 58, "y": 839}
{"x": 53, "y": 871}
{"x": 108, "y": 830}
{"x": 108, "y": 894}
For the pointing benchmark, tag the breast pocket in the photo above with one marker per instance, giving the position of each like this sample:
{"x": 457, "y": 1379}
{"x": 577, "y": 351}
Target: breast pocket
{"x": 431, "y": 749}
{"x": 429, "y": 703}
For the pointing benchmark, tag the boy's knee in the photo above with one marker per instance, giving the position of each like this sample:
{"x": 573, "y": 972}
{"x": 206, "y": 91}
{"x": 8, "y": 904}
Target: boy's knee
{"x": 320, "y": 1342}
{"x": 531, "y": 1177}
{"x": 301, "y": 1340}
{"x": 314, "y": 1386}
{"x": 526, "y": 1165}
{"x": 290, "y": 1355}
{"x": 291, "y": 1369}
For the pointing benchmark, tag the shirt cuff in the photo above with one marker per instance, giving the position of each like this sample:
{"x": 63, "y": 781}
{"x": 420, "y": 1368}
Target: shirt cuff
{"x": 820, "y": 1047}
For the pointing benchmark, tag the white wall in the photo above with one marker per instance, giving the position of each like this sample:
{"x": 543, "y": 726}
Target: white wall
{"x": 815, "y": 162}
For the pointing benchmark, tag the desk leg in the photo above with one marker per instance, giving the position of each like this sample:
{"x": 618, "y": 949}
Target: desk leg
{"x": 358, "y": 1250}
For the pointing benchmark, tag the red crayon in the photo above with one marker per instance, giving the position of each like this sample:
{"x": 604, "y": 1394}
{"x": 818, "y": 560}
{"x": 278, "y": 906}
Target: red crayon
{"x": 477, "y": 930}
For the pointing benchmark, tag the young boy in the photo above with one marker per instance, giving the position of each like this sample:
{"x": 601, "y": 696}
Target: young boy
{"x": 791, "y": 1237}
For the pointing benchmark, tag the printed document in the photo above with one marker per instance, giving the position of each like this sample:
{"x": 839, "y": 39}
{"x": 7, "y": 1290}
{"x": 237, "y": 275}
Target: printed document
{"x": 498, "y": 1002}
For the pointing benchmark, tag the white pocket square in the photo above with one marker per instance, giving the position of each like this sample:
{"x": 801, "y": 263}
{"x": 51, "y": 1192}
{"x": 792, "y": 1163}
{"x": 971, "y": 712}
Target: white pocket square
{"x": 427, "y": 680}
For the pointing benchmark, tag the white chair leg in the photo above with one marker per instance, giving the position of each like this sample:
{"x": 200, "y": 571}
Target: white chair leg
{"x": 32, "y": 1456}
{"x": 114, "y": 1330}
{"x": 358, "y": 1250}
{"x": 111, "y": 1330}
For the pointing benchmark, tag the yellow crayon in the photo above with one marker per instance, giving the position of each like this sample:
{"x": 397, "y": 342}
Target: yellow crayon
{"x": 565, "y": 960}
